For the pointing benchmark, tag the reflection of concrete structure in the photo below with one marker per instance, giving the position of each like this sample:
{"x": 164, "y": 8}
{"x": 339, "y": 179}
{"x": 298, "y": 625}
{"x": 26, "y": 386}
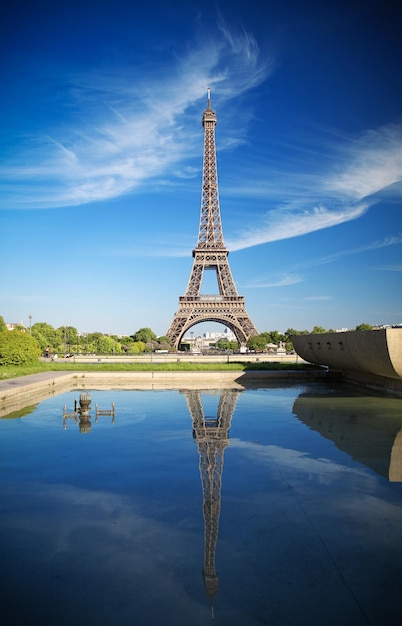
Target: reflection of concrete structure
{"x": 212, "y": 437}
{"x": 368, "y": 429}
{"x": 368, "y": 356}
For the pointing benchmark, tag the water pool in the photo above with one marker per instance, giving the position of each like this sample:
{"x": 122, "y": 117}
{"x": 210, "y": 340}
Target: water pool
{"x": 275, "y": 505}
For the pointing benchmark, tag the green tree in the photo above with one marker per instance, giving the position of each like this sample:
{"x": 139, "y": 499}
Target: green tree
{"x": 106, "y": 345}
{"x": 274, "y": 336}
{"x": 144, "y": 334}
{"x": 257, "y": 342}
{"x": 364, "y": 327}
{"x": 41, "y": 339}
{"x": 46, "y": 335}
{"x": 125, "y": 343}
{"x": 317, "y": 330}
{"x": 3, "y": 326}
{"x": 136, "y": 347}
{"x": 18, "y": 348}
{"x": 225, "y": 344}
{"x": 69, "y": 337}
{"x": 292, "y": 331}
{"x": 288, "y": 337}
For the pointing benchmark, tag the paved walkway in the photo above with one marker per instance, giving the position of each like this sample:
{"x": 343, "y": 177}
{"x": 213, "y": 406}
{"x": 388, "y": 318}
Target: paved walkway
{"x": 31, "y": 379}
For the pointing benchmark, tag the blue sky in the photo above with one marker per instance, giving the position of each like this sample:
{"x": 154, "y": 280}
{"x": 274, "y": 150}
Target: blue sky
{"x": 101, "y": 159}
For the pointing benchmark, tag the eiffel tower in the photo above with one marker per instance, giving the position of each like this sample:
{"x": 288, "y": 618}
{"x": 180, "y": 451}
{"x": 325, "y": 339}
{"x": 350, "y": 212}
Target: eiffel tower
{"x": 212, "y": 437}
{"x": 210, "y": 254}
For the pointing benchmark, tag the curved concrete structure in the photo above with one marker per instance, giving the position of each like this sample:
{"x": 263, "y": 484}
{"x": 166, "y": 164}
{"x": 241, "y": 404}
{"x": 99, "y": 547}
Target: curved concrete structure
{"x": 375, "y": 352}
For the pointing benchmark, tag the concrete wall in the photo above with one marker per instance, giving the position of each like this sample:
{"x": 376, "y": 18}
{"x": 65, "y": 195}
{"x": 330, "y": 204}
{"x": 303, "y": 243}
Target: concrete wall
{"x": 17, "y": 393}
{"x": 374, "y": 352}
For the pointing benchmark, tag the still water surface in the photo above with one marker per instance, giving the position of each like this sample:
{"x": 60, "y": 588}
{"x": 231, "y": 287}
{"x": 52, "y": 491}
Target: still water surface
{"x": 278, "y": 505}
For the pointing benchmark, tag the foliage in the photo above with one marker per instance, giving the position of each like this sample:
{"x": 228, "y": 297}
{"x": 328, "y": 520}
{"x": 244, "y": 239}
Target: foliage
{"x": 41, "y": 339}
{"x": 225, "y": 344}
{"x": 260, "y": 342}
{"x": 317, "y": 330}
{"x": 2, "y": 324}
{"x": 293, "y": 331}
{"x": 163, "y": 343}
{"x": 257, "y": 342}
{"x": 364, "y": 327}
{"x": 163, "y": 339}
{"x": 106, "y": 345}
{"x": 47, "y": 336}
{"x": 136, "y": 347}
{"x": 69, "y": 336}
{"x": 18, "y": 348}
{"x": 146, "y": 335}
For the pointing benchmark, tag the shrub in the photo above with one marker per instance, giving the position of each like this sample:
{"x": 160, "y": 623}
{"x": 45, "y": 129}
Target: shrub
{"x": 18, "y": 348}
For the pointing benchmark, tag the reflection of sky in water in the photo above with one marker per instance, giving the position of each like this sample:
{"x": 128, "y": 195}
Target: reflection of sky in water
{"x": 107, "y": 527}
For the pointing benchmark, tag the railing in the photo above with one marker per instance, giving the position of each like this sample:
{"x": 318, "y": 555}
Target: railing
{"x": 211, "y": 298}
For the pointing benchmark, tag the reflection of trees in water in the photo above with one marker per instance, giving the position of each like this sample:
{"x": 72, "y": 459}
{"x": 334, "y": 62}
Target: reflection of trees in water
{"x": 21, "y": 413}
{"x": 212, "y": 436}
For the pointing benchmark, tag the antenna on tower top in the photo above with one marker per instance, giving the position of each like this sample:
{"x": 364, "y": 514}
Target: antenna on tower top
{"x": 209, "y": 97}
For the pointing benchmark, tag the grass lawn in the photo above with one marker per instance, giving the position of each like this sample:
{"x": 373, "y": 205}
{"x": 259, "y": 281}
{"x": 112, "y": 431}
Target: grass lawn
{"x": 13, "y": 371}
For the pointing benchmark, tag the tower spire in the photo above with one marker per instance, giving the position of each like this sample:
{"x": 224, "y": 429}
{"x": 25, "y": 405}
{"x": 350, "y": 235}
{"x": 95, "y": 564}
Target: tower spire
{"x": 210, "y": 233}
{"x": 227, "y": 307}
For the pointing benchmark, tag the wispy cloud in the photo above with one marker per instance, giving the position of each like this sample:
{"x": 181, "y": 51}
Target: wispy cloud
{"x": 373, "y": 162}
{"x": 354, "y": 177}
{"x": 390, "y": 268}
{"x": 126, "y": 130}
{"x": 319, "y": 298}
{"x": 292, "y": 278}
{"x": 282, "y": 281}
{"x": 288, "y": 222}
{"x": 374, "y": 245}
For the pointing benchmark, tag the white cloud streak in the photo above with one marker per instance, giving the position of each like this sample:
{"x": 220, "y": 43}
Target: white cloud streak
{"x": 375, "y": 245}
{"x": 373, "y": 164}
{"x": 292, "y": 278}
{"x": 364, "y": 170}
{"x": 391, "y": 268}
{"x": 130, "y": 130}
{"x": 282, "y": 281}
{"x": 286, "y": 223}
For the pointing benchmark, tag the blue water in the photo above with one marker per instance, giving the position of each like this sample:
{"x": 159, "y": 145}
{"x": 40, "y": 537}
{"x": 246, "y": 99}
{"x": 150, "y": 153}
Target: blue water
{"x": 294, "y": 499}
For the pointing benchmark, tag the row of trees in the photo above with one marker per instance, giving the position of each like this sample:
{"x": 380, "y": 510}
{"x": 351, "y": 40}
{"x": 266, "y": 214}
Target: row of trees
{"x": 44, "y": 339}
{"x": 261, "y": 341}
{"x": 66, "y": 339}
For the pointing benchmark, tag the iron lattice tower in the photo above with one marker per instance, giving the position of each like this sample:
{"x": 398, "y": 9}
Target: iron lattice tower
{"x": 227, "y": 307}
{"x": 212, "y": 437}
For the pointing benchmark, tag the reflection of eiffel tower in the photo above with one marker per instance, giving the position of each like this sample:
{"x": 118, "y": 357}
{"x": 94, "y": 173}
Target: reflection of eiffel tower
{"x": 212, "y": 437}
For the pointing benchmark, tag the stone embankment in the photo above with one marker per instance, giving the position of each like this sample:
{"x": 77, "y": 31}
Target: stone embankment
{"x": 17, "y": 393}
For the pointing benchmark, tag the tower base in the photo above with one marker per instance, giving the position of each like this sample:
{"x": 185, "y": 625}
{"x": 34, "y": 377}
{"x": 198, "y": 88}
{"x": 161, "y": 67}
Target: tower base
{"x": 225, "y": 310}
